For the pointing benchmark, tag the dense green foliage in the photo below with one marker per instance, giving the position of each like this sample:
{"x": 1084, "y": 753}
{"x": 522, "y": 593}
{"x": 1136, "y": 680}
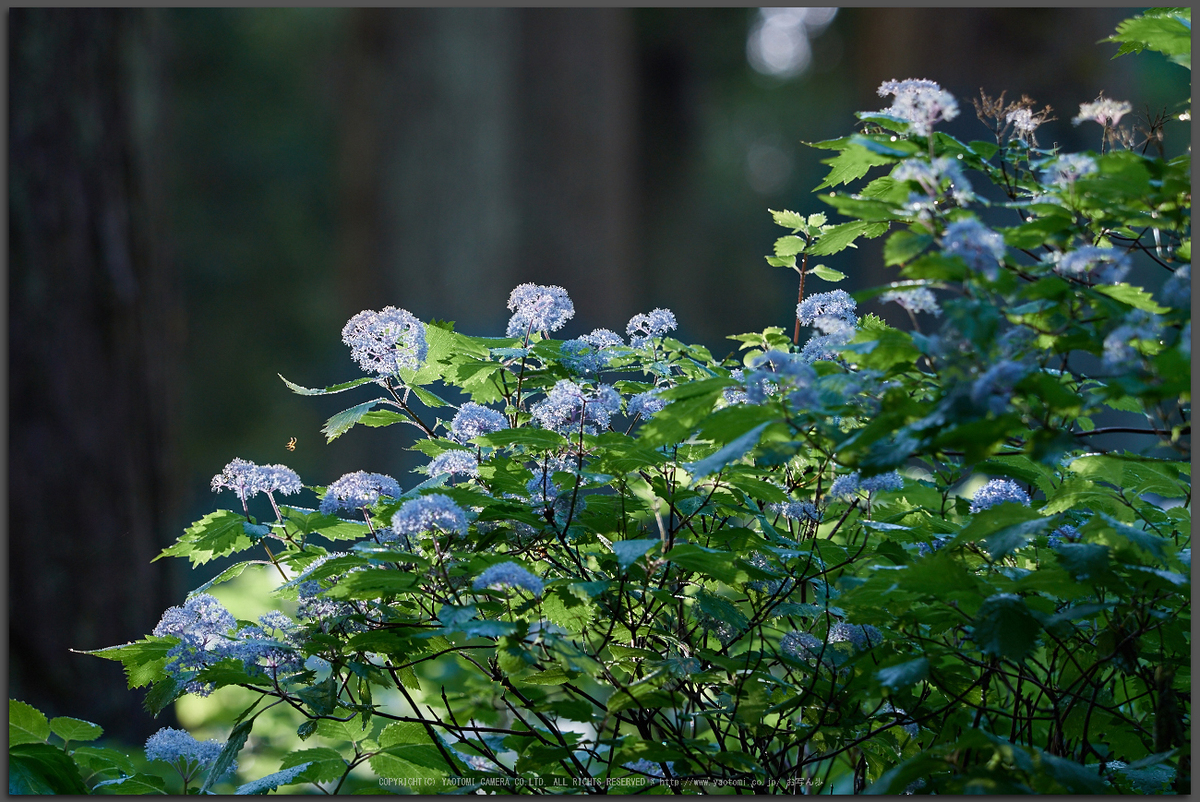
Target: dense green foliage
{"x": 787, "y": 578}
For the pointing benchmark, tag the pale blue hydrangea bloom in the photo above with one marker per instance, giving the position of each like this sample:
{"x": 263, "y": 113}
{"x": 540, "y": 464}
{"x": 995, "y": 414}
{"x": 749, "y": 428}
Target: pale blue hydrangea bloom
{"x": 454, "y": 462}
{"x": 1066, "y": 533}
{"x": 647, "y": 403}
{"x": 725, "y": 631}
{"x": 426, "y": 513}
{"x": 644, "y": 327}
{"x": 772, "y": 586}
{"x": 603, "y": 338}
{"x": 860, "y": 636}
{"x": 184, "y": 752}
{"x": 1093, "y": 265}
{"x": 357, "y": 490}
{"x": 248, "y": 480}
{"x": 313, "y": 605}
{"x": 779, "y": 370}
{"x": 1177, "y": 290}
{"x": 538, "y": 308}
{"x": 567, "y": 406}
{"x": 915, "y": 300}
{"x": 474, "y": 420}
{"x": 980, "y": 247}
{"x": 508, "y": 575}
{"x": 829, "y": 312}
{"x": 1068, "y": 168}
{"x": 801, "y": 645}
{"x": 922, "y": 103}
{"x": 735, "y": 395}
{"x": 643, "y": 766}
{"x": 849, "y": 485}
{"x": 1102, "y": 110}
{"x": 936, "y": 544}
{"x": 929, "y": 176}
{"x": 272, "y": 781}
{"x": 1120, "y": 352}
{"x": 583, "y": 359}
{"x": 823, "y": 347}
{"x": 386, "y": 341}
{"x": 993, "y": 390}
{"x": 202, "y": 624}
{"x": 796, "y": 510}
{"x": 998, "y": 491}
{"x": 541, "y": 489}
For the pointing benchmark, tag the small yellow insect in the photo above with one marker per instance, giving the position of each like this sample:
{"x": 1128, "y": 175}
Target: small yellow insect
{"x": 291, "y": 444}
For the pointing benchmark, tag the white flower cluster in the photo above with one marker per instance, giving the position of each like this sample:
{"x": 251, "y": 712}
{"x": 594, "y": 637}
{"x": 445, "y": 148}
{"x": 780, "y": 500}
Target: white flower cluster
{"x": 922, "y": 103}
{"x": 248, "y": 480}
{"x": 383, "y": 342}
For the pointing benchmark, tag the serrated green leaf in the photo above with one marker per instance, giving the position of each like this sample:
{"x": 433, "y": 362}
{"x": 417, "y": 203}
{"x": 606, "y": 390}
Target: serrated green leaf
{"x": 143, "y": 660}
{"x": 35, "y": 768}
{"x": 1005, "y": 627}
{"x": 26, "y": 724}
{"x": 904, "y": 675}
{"x": 843, "y": 236}
{"x": 1134, "y": 296}
{"x": 137, "y": 784}
{"x": 337, "y": 388}
{"x": 789, "y": 246}
{"x": 342, "y": 422}
{"x": 74, "y": 729}
{"x": 787, "y": 219}
{"x": 217, "y": 534}
{"x": 730, "y": 452}
{"x": 324, "y": 764}
{"x": 851, "y": 164}
{"x": 628, "y": 551}
{"x": 829, "y": 274}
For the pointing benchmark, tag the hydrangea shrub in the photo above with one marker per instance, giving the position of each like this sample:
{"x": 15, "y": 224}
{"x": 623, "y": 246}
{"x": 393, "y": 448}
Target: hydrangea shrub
{"x": 864, "y": 558}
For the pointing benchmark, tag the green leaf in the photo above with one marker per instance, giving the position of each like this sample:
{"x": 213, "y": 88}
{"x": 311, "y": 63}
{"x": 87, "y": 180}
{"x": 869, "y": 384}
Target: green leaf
{"x": 26, "y": 724}
{"x": 843, "y": 236}
{"x": 628, "y": 551}
{"x": 232, "y": 572}
{"x": 1005, "y": 627}
{"x": 787, "y": 219}
{"x": 99, "y": 759}
{"x": 903, "y": 246}
{"x": 709, "y": 562}
{"x": 337, "y": 388}
{"x": 321, "y": 698}
{"x": 74, "y": 729}
{"x": 779, "y": 261}
{"x": 215, "y": 535}
{"x": 903, "y": 675}
{"x": 555, "y": 675}
{"x": 1007, "y": 540}
{"x": 137, "y": 784}
{"x": 854, "y": 162}
{"x": 721, "y": 609}
{"x": 42, "y": 769}
{"x": 272, "y": 781}
{"x": 1168, "y": 35}
{"x": 342, "y": 422}
{"x": 789, "y": 246}
{"x": 164, "y": 692}
{"x": 224, "y": 761}
{"x": 375, "y": 583}
{"x": 143, "y": 660}
{"x": 821, "y": 271}
{"x": 538, "y": 439}
{"x": 324, "y": 764}
{"x": 731, "y": 452}
{"x": 1134, "y": 296}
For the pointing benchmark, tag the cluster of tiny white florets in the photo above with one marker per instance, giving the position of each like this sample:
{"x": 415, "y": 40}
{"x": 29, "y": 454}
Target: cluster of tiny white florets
{"x": 1068, "y": 168}
{"x": 591, "y": 353}
{"x": 993, "y": 390}
{"x": 567, "y": 407}
{"x": 538, "y": 308}
{"x": 644, "y": 327}
{"x": 248, "y": 480}
{"x": 914, "y": 300}
{"x": 796, "y": 510}
{"x": 1120, "y": 346}
{"x": 980, "y": 247}
{"x": 428, "y": 513}
{"x": 454, "y": 462}
{"x": 1094, "y": 265}
{"x": 849, "y": 485}
{"x": 383, "y": 342}
{"x": 998, "y": 491}
{"x": 860, "y": 636}
{"x": 1104, "y": 111}
{"x": 801, "y": 645}
{"x": 922, "y": 103}
{"x": 357, "y": 490}
{"x": 184, "y": 752}
{"x": 647, "y": 403}
{"x": 509, "y": 575}
{"x": 834, "y": 315}
{"x": 474, "y": 420}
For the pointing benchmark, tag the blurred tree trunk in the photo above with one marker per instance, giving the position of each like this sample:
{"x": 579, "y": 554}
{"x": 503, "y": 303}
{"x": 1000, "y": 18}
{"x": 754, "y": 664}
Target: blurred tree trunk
{"x": 93, "y": 328}
{"x": 486, "y": 147}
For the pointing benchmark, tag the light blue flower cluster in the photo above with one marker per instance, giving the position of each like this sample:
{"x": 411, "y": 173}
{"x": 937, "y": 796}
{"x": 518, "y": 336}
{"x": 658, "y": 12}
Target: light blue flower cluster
{"x": 1065, "y": 533}
{"x": 849, "y": 485}
{"x": 920, "y": 102}
{"x": 647, "y": 403}
{"x": 429, "y": 513}
{"x": 902, "y": 718}
{"x": 248, "y": 480}
{"x": 796, "y": 510}
{"x": 777, "y": 371}
{"x": 771, "y": 586}
{"x": 644, "y": 327}
{"x": 643, "y": 766}
{"x": 541, "y": 489}
{"x": 930, "y": 176}
{"x": 567, "y": 407}
{"x": 915, "y": 300}
{"x": 357, "y": 490}
{"x": 998, "y": 491}
{"x": 1177, "y": 290}
{"x": 980, "y": 247}
{"x": 993, "y": 390}
{"x": 725, "y": 631}
{"x": 1094, "y": 265}
{"x": 538, "y": 308}
{"x": 835, "y": 315}
{"x": 454, "y": 462}
{"x": 591, "y": 353}
{"x": 1120, "y": 350}
{"x": 386, "y": 341}
{"x": 474, "y": 420}
{"x": 860, "y": 636}
{"x": 203, "y": 625}
{"x": 801, "y": 645}
{"x": 508, "y": 575}
{"x": 1068, "y": 168}
{"x": 184, "y": 752}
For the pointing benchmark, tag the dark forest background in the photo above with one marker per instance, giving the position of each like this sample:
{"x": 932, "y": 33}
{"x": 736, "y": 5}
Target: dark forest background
{"x": 199, "y": 199}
